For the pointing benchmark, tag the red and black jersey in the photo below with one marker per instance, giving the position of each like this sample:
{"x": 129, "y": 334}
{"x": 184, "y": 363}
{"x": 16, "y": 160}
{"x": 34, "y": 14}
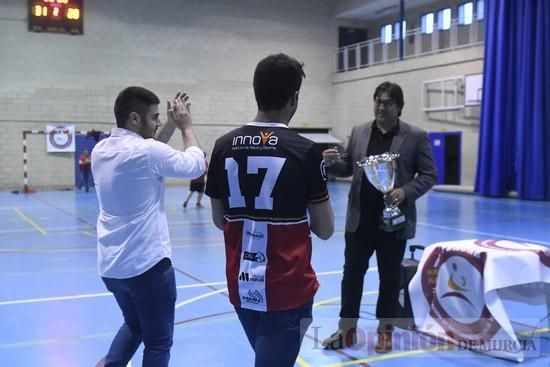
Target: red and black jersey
{"x": 266, "y": 174}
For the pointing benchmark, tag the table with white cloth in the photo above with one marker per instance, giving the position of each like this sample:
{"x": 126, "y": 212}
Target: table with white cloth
{"x": 461, "y": 289}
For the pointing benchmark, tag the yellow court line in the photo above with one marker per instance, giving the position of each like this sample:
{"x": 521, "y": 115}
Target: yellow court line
{"x": 88, "y": 233}
{"x": 29, "y": 220}
{"x": 536, "y": 331}
{"x": 320, "y": 303}
{"x": 449, "y": 346}
{"x": 302, "y": 363}
{"x": 299, "y": 360}
{"x": 382, "y": 357}
{"x": 393, "y": 355}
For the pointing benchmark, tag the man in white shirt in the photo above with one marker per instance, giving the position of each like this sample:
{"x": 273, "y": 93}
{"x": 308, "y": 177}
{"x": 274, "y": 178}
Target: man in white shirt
{"x": 132, "y": 231}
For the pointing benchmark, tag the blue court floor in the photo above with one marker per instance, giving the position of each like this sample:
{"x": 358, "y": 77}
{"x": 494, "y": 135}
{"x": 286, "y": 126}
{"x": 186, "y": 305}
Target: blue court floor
{"x": 55, "y": 311}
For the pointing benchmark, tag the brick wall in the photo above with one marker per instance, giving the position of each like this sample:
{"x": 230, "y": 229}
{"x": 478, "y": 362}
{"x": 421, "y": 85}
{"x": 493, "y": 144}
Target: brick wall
{"x": 209, "y": 48}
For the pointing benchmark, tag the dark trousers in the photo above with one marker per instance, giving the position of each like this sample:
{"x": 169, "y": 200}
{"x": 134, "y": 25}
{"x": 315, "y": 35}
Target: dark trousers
{"x": 85, "y": 180}
{"x": 276, "y": 336}
{"x": 147, "y": 303}
{"x": 360, "y": 246}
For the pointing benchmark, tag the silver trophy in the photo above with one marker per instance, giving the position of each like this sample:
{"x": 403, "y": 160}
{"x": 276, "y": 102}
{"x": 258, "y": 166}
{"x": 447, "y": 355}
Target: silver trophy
{"x": 381, "y": 171}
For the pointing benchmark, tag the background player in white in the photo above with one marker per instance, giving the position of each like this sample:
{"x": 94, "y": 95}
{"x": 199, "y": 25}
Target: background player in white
{"x": 263, "y": 181}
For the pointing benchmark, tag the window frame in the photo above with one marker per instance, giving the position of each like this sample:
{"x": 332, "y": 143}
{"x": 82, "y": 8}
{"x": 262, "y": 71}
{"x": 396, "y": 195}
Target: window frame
{"x": 423, "y": 29}
{"x": 476, "y": 15}
{"x": 403, "y": 30}
{"x": 450, "y": 18}
{"x": 384, "y": 35}
{"x": 462, "y": 5}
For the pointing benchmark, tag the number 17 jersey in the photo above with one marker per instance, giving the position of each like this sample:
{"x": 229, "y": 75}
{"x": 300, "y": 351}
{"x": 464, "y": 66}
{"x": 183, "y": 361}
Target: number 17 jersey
{"x": 266, "y": 174}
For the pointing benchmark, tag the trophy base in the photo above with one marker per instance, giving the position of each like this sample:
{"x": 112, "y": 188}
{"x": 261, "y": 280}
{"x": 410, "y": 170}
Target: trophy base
{"x": 394, "y": 223}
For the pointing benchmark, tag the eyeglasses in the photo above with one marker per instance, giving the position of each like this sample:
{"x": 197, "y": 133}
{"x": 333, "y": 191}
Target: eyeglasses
{"x": 384, "y": 102}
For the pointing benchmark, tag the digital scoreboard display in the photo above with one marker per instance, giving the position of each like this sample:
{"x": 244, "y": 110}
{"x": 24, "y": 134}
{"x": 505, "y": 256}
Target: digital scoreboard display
{"x": 57, "y": 16}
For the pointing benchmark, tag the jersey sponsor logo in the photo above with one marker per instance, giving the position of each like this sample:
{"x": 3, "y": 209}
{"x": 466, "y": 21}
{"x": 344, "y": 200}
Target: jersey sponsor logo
{"x": 255, "y": 235}
{"x": 264, "y": 139}
{"x": 265, "y": 136}
{"x": 257, "y": 257}
{"x": 247, "y": 277}
{"x": 254, "y": 297}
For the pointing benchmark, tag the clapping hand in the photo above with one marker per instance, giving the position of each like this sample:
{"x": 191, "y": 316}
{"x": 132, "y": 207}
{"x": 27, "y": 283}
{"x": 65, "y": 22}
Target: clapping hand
{"x": 179, "y": 111}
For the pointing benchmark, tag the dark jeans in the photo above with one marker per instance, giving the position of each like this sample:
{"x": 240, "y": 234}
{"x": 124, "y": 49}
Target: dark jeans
{"x": 147, "y": 303}
{"x": 276, "y": 336}
{"x": 360, "y": 246}
{"x": 85, "y": 180}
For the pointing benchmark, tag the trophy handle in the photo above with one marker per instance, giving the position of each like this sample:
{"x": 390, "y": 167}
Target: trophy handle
{"x": 394, "y": 173}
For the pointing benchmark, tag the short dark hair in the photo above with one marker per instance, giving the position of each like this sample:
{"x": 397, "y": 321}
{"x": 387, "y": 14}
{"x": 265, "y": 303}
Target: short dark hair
{"x": 276, "y": 79}
{"x": 133, "y": 99}
{"x": 395, "y": 92}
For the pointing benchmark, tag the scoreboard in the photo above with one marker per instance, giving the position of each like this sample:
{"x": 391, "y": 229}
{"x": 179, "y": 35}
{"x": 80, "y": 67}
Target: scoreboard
{"x": 57, "y": 16}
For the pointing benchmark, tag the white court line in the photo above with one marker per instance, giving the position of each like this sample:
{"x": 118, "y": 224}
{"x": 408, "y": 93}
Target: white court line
{"x": 105, "y": 294}
{"x": 190, "y": 300}
{"x": 91, "y": 295}
{"x": 23, "y": 230}
{"x": 340, "y": 271}
{"x": 489, "y": 234}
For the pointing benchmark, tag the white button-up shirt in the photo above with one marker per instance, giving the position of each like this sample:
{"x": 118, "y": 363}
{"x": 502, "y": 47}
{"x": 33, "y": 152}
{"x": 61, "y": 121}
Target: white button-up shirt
{"x": 132, "y": 228}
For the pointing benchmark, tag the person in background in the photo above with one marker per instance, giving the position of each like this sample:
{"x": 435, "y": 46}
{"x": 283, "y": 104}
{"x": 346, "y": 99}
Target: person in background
{"x": 196, "y": 185}
{"x": 133, "y": 240}
{"x": 85, "y": 166}
{"x": 416, "y": 174}
{"x": 263, "y": 180}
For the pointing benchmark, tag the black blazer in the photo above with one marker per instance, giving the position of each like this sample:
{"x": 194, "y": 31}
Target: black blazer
{"x": 416, "y": 172}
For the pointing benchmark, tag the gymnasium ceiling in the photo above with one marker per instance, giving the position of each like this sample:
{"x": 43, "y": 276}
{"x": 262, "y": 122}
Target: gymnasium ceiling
{"x": 366, "y": 10}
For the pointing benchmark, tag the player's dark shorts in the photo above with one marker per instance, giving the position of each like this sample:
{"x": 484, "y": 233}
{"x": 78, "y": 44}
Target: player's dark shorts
{"x": 197, "y": 187}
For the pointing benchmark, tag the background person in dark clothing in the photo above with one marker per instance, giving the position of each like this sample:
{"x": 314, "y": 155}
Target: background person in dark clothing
{"x": 196, "y": 185}
{"x": 85, "y": 165}
{"x": 416, "y": 174}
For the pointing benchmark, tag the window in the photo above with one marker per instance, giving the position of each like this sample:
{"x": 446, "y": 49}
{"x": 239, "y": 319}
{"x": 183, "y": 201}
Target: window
{"x": 397, "y": 28}
{"x": 427, "y": 23}
{"x": 465, "y": 13}
{"x": 385, "y": 33}
{"x": 480, "y": 11}
{"x": 444, "y": 19}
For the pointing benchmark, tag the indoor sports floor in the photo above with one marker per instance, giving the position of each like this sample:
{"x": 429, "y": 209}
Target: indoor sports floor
{"x": 55, "y": 311}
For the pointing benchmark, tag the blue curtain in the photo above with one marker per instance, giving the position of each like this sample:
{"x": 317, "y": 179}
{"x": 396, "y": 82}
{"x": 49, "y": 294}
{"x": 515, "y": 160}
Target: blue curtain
{"x": 514, "y": 136}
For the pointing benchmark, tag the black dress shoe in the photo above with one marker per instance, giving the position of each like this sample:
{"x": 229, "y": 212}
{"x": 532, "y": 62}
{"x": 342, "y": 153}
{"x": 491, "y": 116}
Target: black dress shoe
{"x": 340, "y": 339}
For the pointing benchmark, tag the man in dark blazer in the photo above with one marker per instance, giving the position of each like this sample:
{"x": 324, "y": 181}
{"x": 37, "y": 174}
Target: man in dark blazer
{"x": 416, "y": 174}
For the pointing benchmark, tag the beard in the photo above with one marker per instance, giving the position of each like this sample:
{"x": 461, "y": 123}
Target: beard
{"x": 146, "y": 131}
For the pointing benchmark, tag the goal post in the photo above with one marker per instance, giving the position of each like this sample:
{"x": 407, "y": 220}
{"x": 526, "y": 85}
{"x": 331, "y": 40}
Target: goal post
{"x": 57, "y": 169}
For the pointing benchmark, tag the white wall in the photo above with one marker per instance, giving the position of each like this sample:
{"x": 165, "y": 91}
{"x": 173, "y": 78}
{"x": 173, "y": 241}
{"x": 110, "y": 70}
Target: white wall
{"x": 353, "y": 97}
{"x": 209, "y": 48}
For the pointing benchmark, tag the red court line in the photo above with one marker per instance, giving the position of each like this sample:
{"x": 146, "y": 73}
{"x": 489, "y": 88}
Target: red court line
{"x": 202, "y": 317}
{"x": 200, "y": 281}
{"x": 339, "y": 351}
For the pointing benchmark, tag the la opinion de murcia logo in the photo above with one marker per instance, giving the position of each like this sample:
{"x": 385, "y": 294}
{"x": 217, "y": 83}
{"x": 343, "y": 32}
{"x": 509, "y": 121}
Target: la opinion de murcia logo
{"x": 265, "y": 138}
